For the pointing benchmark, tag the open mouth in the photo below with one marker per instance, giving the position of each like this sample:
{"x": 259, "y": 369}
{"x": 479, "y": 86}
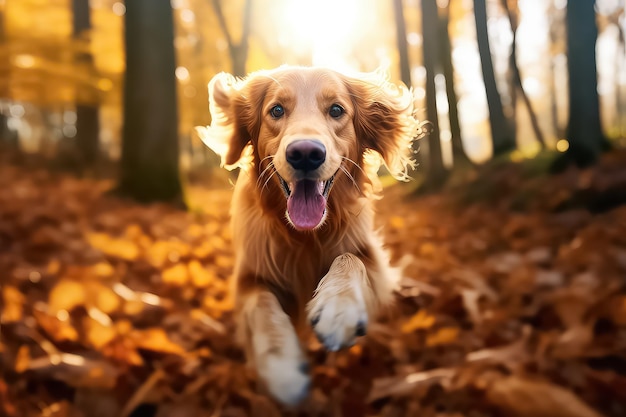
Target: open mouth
{"x": 306, "y": 201}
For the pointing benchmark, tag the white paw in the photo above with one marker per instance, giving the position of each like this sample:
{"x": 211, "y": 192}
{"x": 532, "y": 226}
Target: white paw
{"x": 279, "y": 359}
{"x": 287, "y": 378}
{"x": 337, "y": 319}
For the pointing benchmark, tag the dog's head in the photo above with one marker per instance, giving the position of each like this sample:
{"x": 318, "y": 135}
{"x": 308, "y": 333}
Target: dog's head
{"x": 313, "y": 128}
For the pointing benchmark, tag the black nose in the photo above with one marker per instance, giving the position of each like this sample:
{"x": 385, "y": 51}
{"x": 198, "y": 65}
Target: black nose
{"x": 306, "y": 155}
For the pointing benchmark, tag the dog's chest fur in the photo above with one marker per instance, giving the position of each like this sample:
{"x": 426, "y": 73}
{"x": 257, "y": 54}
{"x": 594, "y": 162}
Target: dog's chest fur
{"x": 290, "y": 261}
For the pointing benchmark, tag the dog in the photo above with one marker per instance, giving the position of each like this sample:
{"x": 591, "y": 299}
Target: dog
{"x": 309, "y": 142}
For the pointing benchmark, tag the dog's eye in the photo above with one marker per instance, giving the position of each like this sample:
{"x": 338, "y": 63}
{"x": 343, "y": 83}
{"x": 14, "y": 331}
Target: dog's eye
{"x": 336, "y": 111}
{"x": 277, "y": 111}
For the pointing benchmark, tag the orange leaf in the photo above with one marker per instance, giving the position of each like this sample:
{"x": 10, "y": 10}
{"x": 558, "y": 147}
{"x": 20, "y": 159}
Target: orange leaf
{"x": 443, "y": 336}
{"x": 177, "y": 275}
{"x": 156, "y": 340}
{"x": 200, "y": 276}
{"x": 420, "y": 320}
{"x": 13, "y": 301}
{"x": 66, "y": 295}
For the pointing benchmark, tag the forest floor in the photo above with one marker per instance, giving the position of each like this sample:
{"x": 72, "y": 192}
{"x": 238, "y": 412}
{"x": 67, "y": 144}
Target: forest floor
{"x": 513, "y": 303}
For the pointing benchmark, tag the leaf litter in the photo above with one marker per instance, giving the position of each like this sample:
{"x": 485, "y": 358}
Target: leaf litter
{"x": 509, "y": 306}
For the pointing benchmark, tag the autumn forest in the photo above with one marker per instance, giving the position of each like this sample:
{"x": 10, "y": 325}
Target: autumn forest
{"x": 116, "y": 257}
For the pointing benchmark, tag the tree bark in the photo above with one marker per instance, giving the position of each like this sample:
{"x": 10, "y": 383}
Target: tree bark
{"x": 584, "y": 131}
{"x": 458, "y": 152}
{"x": 517, "y": 78}
{"x": 150, "y": 150}
{"x": 436, "y": 172}
{"x": 8, "y": 137}
{"x": 87, "y": 123}
{"x": 403, "y": 50}
{"x": 502, "y": 135}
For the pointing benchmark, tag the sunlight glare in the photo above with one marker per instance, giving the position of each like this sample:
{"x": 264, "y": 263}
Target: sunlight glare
{"x": 326, "y": 27}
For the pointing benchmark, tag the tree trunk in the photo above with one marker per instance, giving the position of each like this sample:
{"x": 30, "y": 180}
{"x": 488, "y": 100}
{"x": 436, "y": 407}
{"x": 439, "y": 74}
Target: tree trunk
{"x": 8, "y": 137}
{"x": 554, "y": 111}
{"x": 619, "y": 102}
{"x": 238, "y": 51}
{"x": 87, "y": 123}
{"x": 436, "y": 172}
{"x": 502, "y": 135}
{"x": 517, "y": 78}
{"x": 458, "y": 152}
{"x": 403, "y": 49}
{"x": 584, "y": 131}
{"x": 149, "y": 163}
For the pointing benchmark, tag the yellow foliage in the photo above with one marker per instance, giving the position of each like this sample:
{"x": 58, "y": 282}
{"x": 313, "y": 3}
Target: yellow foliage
{"x": 200, "y": 276}
{"x": 103, "y": 269}
{"x": 98, "y": 334}
{"x": 105, "y": 298}
{"x": 156, "y": 340}
{"x": 443, "y": 336}
{"x": 22, "y": 359}
{"x": 13, "y": 301}
{"x": 176, "y": 275}
{"x": 66, "y": 295}
{"x": 120, "y": 248}
{"x": 420, "y": 320}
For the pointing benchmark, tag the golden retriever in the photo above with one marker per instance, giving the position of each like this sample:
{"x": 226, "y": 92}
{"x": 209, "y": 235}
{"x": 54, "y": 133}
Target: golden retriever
{"x": 309, "y": 142}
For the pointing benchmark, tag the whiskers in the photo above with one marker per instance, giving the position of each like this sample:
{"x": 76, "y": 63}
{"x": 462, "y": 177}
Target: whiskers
{"x": 268, "y": 172}
{"x": 348, "y": 174}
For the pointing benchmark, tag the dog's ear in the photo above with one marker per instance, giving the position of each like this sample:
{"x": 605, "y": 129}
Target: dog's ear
{"x": 235, "y": 118}
{"x": 384, "y": 121}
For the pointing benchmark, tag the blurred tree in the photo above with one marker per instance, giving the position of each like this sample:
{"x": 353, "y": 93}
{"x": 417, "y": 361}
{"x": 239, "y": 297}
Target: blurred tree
{"x": 557, "y": 37}
{"x": 402, "y": 45}
{"x": 517, "y": 79}
{"x": 458, "y": 152}
{"x": 150, "y": 154}
{"x": 8, "y": 137}
{"x": 584, "y": 131}
{"x": 87, "y": 125}
{"x": 238, "y": 51}
{"x": 502, "y": 133}
{"x": 436, "y": 172}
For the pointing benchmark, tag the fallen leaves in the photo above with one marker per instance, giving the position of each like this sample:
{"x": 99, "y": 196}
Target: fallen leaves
{"x": 116, "y": 307}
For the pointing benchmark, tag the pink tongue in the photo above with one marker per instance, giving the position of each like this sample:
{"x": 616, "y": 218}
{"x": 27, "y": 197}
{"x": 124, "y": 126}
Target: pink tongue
{"x": 306, "y": 204}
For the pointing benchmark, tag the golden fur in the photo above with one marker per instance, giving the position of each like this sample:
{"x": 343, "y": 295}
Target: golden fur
{"x": 337, "y": 274}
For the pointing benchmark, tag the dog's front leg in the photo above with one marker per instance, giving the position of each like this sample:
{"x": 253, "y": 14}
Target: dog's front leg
{"x": 272, "y": 343}
{"x": 343, "y": 302}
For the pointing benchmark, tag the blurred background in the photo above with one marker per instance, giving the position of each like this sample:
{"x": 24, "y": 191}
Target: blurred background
{"x": 63, "y": 66}
{"x": 115, "y": 250}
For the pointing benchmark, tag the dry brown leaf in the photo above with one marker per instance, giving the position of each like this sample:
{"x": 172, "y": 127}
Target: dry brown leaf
{"x": 76, "y": 370}
{"x": 66, "y": 295}
{"x": 103, "y": 297}
{"x": 98, "y": 334}
{"x": 57, "y": 327}
{"x": 156, "y": 340}
{"x": 403, "y": 385}
{"x": 13, "y": 304}
{"x": 103, "y": 270}
{"x": 200, "y": 276}
{"x": 120, "y": 248}
{"x": 176, "y": 275}
{"x": 22, "y": 359}
{"x": 443, "y": 336}
{"x": 523, "y": 397}
{"x": 420, "y": 320}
